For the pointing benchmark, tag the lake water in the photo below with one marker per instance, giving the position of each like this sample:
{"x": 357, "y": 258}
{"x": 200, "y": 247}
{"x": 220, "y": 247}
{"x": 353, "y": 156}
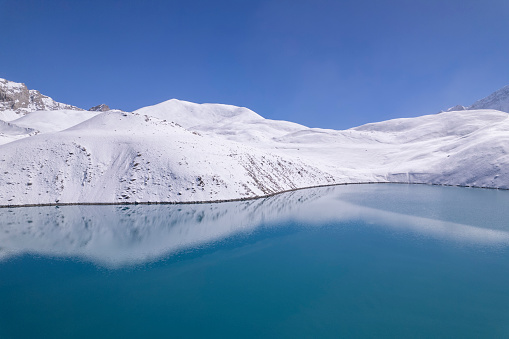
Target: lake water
{"x": 363, "y": 261}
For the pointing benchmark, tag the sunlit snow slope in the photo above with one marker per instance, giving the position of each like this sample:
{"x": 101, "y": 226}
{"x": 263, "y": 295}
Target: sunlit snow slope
{"x": 178, "y": 151}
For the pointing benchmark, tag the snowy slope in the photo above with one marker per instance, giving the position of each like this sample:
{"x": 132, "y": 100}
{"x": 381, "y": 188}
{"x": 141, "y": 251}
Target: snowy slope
{"x": 498, "y": 100}
{"x": 189, "y": 114}
{"x": 125, "y": 157}
{"x": 229, "y": 122}
{"x": 41, "y": 122}
{"x": 468, "y": 148}
{"x": 178, "y": 151}
{"x": 10, "y": 132}
{"x": 53, "y": 121}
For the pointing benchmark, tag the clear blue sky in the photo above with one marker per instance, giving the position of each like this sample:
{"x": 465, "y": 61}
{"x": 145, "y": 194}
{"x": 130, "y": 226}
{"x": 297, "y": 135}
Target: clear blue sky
{"x": 331, "y": 64}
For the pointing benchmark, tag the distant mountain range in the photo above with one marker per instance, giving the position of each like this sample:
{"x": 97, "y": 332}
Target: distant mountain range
{"x": 177, "y": 151}
{"x": 498, "y": 100}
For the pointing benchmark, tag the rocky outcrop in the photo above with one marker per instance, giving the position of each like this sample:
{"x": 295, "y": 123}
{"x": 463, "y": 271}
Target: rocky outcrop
{"x": 18, "y": 98}
{"x": 100, "y": 108}
{"x": 13, "y": 96}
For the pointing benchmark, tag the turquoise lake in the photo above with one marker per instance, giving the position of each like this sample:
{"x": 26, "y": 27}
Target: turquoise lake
{"x": 354, "y": 261}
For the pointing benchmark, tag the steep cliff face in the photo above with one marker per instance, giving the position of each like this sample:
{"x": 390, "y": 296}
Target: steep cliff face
{"x": 13, "y": 96}
{"x": 16, "y": 97}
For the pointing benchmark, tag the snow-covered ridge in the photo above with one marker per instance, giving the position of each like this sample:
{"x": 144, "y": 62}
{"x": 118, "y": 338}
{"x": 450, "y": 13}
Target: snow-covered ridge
{"x": 189, "y": 114}
{"x": 17, "y": 100}
{"x": 179, "y": 151}
{"x": 498, "y": 100}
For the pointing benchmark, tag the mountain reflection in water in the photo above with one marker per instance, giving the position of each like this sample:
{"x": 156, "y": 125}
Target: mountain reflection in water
{"x": 121, "y": 235}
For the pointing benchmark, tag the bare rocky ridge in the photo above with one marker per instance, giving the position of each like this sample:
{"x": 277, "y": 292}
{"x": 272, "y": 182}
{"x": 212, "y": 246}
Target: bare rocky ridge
{"x": 100, "y": 108}
{"x": 18, "y": 98}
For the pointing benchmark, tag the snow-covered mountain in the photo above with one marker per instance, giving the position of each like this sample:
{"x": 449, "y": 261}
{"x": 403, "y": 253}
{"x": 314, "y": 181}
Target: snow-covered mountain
{"x": 179, "y": 151}
{"x": 17, "y": 100}
{"x": 498, "y": 100}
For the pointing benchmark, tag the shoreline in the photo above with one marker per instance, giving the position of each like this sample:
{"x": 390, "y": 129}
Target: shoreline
{"x": 233, "y": 200}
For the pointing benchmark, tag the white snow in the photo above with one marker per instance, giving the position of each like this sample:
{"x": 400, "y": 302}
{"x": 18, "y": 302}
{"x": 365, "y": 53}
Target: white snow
{"x": 10, "y": 132}
{"x": 8, "y": 115}
{"x": 179, "y": 151}
{"x": 125, "y": 157}
{"x": 189, "y": 114}
{"x": 53, "y": 121}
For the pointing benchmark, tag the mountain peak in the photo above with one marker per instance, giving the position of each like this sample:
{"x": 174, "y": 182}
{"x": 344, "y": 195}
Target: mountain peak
{"x": 16, "y": 97}
{"x": 100, "y": 108}
{"x": 189, "y": 114}
{"x": 498, "y": 100}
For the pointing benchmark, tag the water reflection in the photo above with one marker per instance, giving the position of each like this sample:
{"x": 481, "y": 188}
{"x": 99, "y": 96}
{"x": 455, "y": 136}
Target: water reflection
{"x": 115, "y": 236}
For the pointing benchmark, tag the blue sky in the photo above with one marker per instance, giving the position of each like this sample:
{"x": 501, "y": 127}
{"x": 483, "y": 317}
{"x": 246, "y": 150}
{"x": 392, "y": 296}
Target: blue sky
{"x": 330, "y": 64}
